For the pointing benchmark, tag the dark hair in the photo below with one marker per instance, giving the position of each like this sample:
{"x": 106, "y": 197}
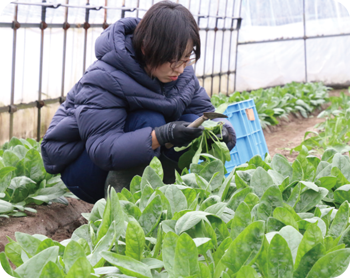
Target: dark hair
{"x": 163, "y": 34}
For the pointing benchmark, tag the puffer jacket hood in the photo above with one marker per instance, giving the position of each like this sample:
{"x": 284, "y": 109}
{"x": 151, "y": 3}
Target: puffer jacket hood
{"x": 114, "y": 47}
{"x": 95, "y": 110}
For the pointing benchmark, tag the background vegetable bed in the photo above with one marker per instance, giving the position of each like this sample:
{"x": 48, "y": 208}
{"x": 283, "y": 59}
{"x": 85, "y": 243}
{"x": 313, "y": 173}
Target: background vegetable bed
{"x": 278, "y": 102}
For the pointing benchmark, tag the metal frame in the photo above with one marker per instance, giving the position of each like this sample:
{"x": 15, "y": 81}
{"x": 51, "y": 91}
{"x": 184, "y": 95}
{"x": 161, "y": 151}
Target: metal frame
{"x": 233, "y": 19}
{"x": 235, "y": 27}
{"x": 39, "y": 103}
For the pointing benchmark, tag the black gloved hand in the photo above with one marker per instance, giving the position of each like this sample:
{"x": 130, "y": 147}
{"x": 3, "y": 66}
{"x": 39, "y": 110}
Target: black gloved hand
{"x": 177, "y": 133}
{"x": 226, "y": 137}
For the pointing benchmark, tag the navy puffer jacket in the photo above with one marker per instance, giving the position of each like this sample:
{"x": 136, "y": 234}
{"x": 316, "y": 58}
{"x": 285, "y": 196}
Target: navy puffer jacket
{"x": 96, "y": 108}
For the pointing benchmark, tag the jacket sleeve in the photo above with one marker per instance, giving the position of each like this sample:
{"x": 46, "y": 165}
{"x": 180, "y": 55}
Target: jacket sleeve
{"x": 108, "y": 146}
{"x": 201, "y": 103}
{"x": 61, "y": 144}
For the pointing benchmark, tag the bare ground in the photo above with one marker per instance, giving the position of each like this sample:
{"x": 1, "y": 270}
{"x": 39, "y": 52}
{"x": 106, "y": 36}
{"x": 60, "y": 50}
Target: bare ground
{"x": 56, "y": 221}
{"x": 282, "y": 138}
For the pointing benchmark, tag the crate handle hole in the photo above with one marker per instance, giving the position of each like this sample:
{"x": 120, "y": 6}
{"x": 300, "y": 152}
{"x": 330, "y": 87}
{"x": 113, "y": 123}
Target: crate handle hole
{"x": 250, "y": 114}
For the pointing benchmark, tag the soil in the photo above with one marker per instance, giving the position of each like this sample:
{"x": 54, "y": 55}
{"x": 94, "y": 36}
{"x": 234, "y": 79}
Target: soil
{"x": 57, "y": 221}
{"x": 282, "y": 138}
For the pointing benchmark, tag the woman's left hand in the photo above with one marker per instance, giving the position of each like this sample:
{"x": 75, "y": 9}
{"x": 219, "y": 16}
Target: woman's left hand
{"x": 227, "y": 137}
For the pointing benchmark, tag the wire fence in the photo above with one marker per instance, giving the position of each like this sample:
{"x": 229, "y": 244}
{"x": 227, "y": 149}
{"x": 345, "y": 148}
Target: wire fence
{"x": 43, "y": 25}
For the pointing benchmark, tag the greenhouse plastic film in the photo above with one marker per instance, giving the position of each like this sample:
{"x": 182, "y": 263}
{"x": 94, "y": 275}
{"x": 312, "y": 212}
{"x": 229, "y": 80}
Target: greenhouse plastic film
{"x": 5, "y": 72}
{"x": 270, "y": 64}
{"x": 331, "y": 68}
{"x": 281, "y": 18}
{"x": 271, "y": 19}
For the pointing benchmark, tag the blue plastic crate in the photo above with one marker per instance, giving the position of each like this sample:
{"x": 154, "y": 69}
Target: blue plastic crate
{"x": 250, "y": 137}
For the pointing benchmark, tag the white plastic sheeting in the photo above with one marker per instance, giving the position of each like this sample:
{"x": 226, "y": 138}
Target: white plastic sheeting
{"x": 268, "y": 64}
{"x": 330, "y": 67}
{"x": 276, "y": 63}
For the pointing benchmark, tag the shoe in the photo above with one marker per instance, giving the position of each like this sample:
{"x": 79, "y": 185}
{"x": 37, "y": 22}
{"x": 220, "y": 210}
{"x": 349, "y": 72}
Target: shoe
{"x": 169, "y": 167}
{"x": 121, "y": 179}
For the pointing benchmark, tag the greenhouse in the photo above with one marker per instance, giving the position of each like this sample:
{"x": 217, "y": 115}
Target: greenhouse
{"x": 194, "y": 138}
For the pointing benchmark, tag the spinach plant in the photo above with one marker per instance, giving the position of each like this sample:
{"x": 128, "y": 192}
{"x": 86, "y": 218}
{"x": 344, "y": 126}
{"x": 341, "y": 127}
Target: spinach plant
{"x": 23, "y": 179}
{"x": 208, "y": 142}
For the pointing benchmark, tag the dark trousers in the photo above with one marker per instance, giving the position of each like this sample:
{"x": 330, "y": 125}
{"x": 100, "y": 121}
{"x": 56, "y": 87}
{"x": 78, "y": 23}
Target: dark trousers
{"x": 86, "y": 180}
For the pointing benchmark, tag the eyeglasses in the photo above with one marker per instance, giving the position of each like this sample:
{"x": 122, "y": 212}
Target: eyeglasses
{"x": 188, "y": 62}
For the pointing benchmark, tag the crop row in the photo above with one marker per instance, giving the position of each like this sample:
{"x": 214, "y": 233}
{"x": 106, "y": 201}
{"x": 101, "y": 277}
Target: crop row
{"x": 268, "y": 218}
{"x": 279, "y": 102}
{"x": 334, "y": 132}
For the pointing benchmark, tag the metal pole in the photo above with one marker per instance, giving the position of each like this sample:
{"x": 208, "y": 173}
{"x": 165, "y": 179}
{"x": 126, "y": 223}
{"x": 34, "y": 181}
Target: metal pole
{"x": 86, "y": 27}
{"x": 65, "y": 28}
{"x": 15, "y": 26}
{"x": 229, "y": 49}
{"x": 123, "y": 11}
{"x": 105, "y": 24}
{"x": 294, "y": 39}
{"x": 305, "y": 55}
{"x": 138, "y": 6}
{"x": 206, "y": 44}
{"x": 213, "y": 62}
{"x": 199, "y": 12}
{"x": 43, "y": 26}
{"x": 222, "y": 46}
{"x": 235, "y": 80}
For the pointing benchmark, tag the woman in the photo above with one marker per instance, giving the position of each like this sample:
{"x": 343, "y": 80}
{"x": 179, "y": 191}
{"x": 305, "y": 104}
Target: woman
{"x": 140, "y": 94}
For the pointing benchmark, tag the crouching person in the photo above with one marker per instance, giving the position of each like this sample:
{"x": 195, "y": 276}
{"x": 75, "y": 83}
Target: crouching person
{"x": 141, "y": 93}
